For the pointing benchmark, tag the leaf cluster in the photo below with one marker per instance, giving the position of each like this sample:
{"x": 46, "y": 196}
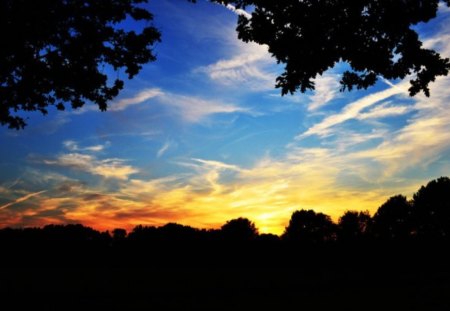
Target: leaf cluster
{"x": 375, "y": 38}
{"x": 55, "y": 53}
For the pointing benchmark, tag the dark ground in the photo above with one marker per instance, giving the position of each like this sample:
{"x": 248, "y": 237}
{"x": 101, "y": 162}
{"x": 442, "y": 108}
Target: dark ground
{"x": 313, "y": 279}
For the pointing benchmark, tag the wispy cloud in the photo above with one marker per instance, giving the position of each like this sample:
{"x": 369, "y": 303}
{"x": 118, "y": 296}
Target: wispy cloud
{"x": 218, "y": 165}
{"x": 353, "y": 110}
{"x": 139, "y": 98}
{"x": 163, "y": 149}
{"x": 72, "y": 145}
{"x": 249, "y": 66}
{"x": 108, "y": 168}
{"x": 238, "y": 11}
{"x": 122, "y": 104}
{"x": 266, "y": 192}
{"x": 21, "y": 199}
{"x": 192, "y": 109}
{"x": 385, "y": 110}
{"x": 195, "y": 109}
{"x": 326, "y": 89}
{"x": 422, "y": 140}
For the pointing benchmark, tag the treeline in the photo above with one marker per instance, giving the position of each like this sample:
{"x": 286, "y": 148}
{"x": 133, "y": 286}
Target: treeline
{"x": 398, "y": 223}
{"x": 396, "y": 259}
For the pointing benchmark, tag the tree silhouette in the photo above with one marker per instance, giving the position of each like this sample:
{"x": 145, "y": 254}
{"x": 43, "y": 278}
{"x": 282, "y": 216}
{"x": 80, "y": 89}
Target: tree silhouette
{"x": 239, "y": 229}
{"x": 392, "y": 220}
{"x": 375, "y": 38}
{"x": 119, "y": 235}
{"x": 432, "y": 209}
{"x": 55, "y": 53}
{"x": 353, "y": 226}
{"x": 176, "y": 233}
{"x": 307, "y": 226}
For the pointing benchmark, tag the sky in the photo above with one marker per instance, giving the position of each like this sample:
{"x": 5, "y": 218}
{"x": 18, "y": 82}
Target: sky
{"x": 202, "y": 136}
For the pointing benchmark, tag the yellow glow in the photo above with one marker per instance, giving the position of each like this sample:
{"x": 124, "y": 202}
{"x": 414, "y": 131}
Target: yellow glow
{"x": 268, "y": 200}
{"x": 322, "y": 179}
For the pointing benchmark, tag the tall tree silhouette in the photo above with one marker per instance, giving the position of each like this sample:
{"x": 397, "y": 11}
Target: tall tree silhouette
{"x": 432, "y": 209}
{"x": 375, "y": 38}
{"x": 353, "y": 226}
{"x": 239, "y": 229}
{"x": 54, "y": 53}
{"x": 307, "y": 226}
{"x": 392, "y": 220}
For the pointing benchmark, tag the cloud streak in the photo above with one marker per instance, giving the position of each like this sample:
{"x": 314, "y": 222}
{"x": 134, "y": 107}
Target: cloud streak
{"x": 163, "y": 149}
{"x": 248, "y": 66}
{"x": 353, "y": 110}
{"x": 326, "y": 89}
{"x": 72, "y": 145}
{"x": 108, "y": 168}
{"x": 22, "y": 199}
{"x": 139, "y": 98}
{"x": 193, "y": 109}
{"x": 239, "y": 11}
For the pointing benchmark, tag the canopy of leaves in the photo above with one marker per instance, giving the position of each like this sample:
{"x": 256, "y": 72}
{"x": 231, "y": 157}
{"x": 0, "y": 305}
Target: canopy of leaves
{"x": 374, "y": 37}
{"x": 432, "y": 209}
{"x": 392, "y": 219}
{"x": 239, "y": 229}
{"x": 308, "y": 226}
{"x": 55, "y": 52}
{"x": 353, "y": 226}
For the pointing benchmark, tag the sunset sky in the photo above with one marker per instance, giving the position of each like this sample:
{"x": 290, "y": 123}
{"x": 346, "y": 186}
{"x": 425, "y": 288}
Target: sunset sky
{"x": 201, "y": 136}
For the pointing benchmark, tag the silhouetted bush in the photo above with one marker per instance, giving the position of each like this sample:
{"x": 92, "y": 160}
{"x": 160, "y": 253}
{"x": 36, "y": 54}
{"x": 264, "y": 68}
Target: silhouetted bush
{"x": 353, "y": 227}
{"x": 392, "y": 221}
{"x": 309, "y": 227}
{"x": 239, "y": 230}
{"x": 431, "y": 210}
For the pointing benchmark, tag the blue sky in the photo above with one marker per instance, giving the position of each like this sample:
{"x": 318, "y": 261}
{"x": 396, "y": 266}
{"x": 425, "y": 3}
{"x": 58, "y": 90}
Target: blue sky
{"x": 201, "y": 136}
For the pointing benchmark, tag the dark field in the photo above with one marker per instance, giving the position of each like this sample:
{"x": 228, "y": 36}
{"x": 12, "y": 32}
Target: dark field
{"x": 310, "y": 280}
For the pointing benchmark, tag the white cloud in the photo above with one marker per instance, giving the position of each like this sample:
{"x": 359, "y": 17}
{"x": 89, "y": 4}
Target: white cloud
{"x": 191, "y": 109}
{"x": 163, "y": 149}
{"x": 444, "y": 8}
{"x": 326, "y": 89}
{"x": 218, "y": 165}
{"x": 353, "y": 110}
{"x": 108, "y": 168}
{"x": 249, "y": 66}
{"x": 139, "y": 98}
{"x": 195, "y": 109}
{"x": 21, "y": 199}
{"x": 238, "y": 11}
{"x": 95, "y": 148}
{"x": 123, "y": 104}
{"x": 72, "y": 145}
{"x": 384, "y": 110}
{"x": 425, "y": 137}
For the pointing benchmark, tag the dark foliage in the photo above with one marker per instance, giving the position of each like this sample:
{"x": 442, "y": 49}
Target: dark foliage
{"x": 431, "y": 206}
{"x": 353, "y": 227}
{"x": 392, "y": 221}
{"x": 375, "y": 38}
{"x": 55, "y": 53}
{"x": 307, "y": 226}
{"x": 239, "y": 230}
{"x": 362, "y": 262}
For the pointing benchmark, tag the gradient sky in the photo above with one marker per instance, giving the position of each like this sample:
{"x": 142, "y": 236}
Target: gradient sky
{"x": 201, "y": 136}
